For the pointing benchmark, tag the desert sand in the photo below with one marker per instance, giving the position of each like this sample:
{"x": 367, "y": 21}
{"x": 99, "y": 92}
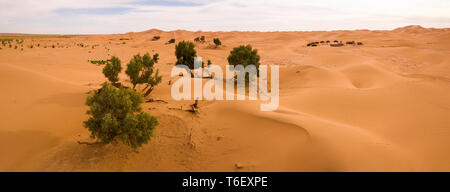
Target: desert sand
{"x": 382, "y": 106}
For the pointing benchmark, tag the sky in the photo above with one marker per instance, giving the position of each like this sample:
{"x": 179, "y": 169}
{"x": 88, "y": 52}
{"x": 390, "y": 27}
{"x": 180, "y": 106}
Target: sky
{"x": 121, "y": 16}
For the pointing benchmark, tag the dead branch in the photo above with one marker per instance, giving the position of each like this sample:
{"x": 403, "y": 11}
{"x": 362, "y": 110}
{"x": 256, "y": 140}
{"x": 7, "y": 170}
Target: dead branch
{"x": 89, "y": 143}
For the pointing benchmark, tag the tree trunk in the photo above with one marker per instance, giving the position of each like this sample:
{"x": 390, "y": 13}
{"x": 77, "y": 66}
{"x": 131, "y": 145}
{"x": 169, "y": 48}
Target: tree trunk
{"x": 146, "y": 87}
{"x": 148, "y": 91}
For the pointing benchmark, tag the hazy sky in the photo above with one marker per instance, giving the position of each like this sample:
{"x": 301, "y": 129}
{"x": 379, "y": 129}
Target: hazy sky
{"x": 118, "y": 16}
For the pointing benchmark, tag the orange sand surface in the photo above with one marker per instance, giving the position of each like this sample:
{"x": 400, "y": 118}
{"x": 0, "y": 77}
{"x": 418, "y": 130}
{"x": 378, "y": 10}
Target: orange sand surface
{"x": 382, "y": 106}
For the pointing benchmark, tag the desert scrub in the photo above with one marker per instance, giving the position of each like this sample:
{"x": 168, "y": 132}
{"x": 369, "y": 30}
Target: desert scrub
{"x": 115, "y": 115}
{"x": 217, "y": 42}
{"x": 200, "y": 39}
{"x": 171, "y": 41}
{"x": 98, "y": 62}
{"x": 155, "y": 38}
{"x": 112, "y": 69}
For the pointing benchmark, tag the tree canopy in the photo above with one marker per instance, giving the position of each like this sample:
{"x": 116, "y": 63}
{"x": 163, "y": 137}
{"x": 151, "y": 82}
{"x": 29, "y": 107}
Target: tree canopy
{"x": 116, "y": 115}
{"x": 112, "y": 69}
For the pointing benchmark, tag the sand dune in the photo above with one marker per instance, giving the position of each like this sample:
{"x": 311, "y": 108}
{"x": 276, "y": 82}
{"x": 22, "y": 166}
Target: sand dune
{"x": 382, "y": 106}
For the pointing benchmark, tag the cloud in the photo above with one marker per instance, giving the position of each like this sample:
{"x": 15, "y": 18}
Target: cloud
{"x": 117, "y": 16}
{"x": 169, "y": 3}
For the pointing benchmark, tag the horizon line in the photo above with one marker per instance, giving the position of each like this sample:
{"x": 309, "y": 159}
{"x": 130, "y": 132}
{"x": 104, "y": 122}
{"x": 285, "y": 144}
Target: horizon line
{"x": 221, "y": 31}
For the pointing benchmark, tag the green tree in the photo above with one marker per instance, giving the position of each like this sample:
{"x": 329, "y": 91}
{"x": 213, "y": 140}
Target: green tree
{"x": 112, "y": 69}
{"x": 185, "y": 53}
{"x": 217, "y": 42}
{"x": 116, "y": 115}
{"x": 244, "y": 55}
{"x": 141, "y": 70}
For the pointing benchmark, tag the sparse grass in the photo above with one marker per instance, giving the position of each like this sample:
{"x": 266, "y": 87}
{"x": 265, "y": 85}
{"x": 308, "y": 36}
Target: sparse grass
{"x": 20, "y": 37}
{"x": 98, "y": 62}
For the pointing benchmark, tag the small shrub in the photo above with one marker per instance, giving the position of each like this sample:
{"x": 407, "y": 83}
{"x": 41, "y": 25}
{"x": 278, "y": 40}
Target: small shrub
{"x": 53, "y": 46}
{"x": 217, "y": 42}
{"x": 112, "y": 69}
{"x": 156, "y": 38}
{"x": 200, "y": 39}
{"x": 171, "y": 41}
{"x": 116, "y": 115}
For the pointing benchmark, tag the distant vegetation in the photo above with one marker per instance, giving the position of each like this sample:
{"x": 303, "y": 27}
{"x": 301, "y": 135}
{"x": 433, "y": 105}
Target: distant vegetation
{"x": 171, "y": 41}
{"x": 200, "y": 39}
{"x": 21, "y": 37}
{"x": 217, "y": 42}
{"x": 335, "y": 43}
{"x": 155, "y": 38}
{"x": 98, "y": 62}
